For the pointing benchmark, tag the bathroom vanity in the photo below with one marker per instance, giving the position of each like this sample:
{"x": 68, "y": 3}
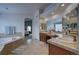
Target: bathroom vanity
{"x": 44, "y": 36}
{"x": 68, "y": 44}
{"x": 60, "y": 46}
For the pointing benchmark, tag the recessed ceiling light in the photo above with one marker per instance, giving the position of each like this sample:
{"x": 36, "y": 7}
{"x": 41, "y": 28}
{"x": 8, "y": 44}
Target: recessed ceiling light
{"x": 62, "y": 5}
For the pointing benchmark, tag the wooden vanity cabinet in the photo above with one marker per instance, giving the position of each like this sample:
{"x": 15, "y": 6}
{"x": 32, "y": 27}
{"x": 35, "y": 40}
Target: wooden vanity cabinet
{"x": 44, "y": 37}
{"x": 55, "y": 50}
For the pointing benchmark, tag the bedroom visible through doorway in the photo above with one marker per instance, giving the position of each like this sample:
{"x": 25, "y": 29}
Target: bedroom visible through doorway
{"x": 28, "y": 28}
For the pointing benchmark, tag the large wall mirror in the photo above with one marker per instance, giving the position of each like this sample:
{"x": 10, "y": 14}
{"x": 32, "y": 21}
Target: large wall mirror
{"x": 70, "y": 23}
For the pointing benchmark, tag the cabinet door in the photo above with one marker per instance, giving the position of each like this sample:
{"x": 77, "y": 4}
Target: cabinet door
{"x": 54, "y": 50}
{"x": 42, "y": 37}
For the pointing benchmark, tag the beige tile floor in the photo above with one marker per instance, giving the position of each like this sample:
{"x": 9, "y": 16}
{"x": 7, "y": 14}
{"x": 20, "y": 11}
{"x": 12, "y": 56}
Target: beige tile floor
{"x": 32, "y": 47}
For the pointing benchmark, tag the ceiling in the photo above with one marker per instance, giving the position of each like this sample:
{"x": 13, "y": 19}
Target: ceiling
{"x": 58, "y": 11}
{"x": 21, "y": 8}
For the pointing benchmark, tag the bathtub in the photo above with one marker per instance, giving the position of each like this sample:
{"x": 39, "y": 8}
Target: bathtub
{"x": 6, "y": 40}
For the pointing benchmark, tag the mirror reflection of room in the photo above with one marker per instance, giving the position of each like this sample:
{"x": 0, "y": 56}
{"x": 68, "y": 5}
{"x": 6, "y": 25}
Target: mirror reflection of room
{"x": 70, "y": 24}
{"x": 50, "y": 27}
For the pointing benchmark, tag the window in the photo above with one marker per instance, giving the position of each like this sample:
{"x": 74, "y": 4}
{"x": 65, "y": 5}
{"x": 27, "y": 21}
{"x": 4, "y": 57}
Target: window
{"x": 58, "y": 27}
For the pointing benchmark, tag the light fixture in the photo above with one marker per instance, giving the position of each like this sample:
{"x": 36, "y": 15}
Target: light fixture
{"x": 46, "y": 19}
{"x": 55, "y": 16}
{"x": 62, "y": 5}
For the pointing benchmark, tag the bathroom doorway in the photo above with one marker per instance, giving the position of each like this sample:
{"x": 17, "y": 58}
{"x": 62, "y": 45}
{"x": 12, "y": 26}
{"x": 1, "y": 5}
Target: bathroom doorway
{"x": 28, "y": 27}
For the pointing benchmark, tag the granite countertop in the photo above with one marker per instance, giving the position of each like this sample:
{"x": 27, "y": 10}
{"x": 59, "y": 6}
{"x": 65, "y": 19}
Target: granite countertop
{"x": 48, "y": 33}
{"x": 70, "y": 46}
